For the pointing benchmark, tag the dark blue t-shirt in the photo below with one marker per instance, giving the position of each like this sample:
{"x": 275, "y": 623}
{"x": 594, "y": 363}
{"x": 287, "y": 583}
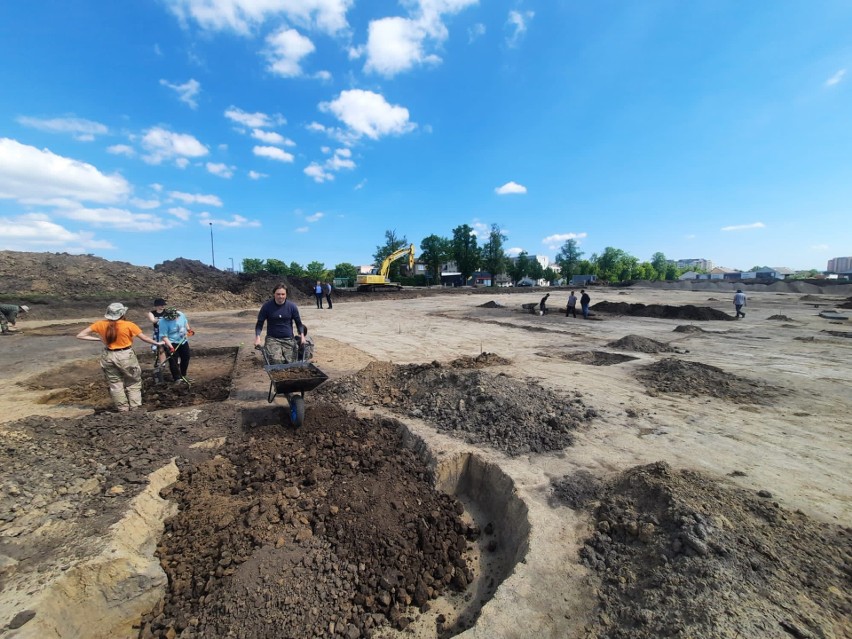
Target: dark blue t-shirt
{"x": 279, "y": 319}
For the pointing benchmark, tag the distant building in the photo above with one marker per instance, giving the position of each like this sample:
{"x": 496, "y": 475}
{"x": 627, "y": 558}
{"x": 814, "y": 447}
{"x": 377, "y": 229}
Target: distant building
{"x": 583, "y": 280}
{"x": 840, "y": 264}
{"x": 699, "y": 263}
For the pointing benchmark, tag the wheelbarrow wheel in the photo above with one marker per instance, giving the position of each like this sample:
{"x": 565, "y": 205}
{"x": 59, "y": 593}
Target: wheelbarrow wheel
{"x": 297, "y": 411}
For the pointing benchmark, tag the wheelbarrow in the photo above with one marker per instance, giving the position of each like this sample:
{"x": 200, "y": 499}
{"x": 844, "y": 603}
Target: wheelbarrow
{"x": 292, "y": 381}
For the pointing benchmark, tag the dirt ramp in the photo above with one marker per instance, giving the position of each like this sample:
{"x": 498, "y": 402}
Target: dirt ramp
{"x": 334, "y": 530}
{"x": 681, "y": 554}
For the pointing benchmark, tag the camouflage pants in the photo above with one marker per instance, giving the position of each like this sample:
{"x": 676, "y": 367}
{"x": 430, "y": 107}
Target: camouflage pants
{"x": 281, "y": 350}
{"x": 8, "y": 315}
{"x": 124, "y": 376}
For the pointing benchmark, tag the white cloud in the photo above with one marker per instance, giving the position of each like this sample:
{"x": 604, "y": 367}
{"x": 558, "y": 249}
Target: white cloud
{"x": 81, "y": 129}
{"x": 271, "y": 137}
{"x": 118, "y": 219}
{"x": 514, "y": 251}
{"x": 144, "y": 204}
{"x": 554, "y": 242}
{"x": 318, "y": 173}
{"x": 242, "y": 16}
{"x": 256, "y": 120}
{"x": 510, "y": 188}
{"x": 475, "y": 32}
{"x": 236, "y": 221}
{"x": 822, "y": 248}
{"x": 744, "y": 227}
{"x": 28, "y": 172}
{"x": 222, "y": 170}
{"x": 837, "y": 78}
{"x": 180, "y": 212}
{"x": 690, "y": 236}
{"x": 36, "y": 232}
{"x": 273, "y": 153}
{"x": 480, "y": 229}
{"x": 324, "y": 76}
{"x": 316, "y": 217}
{"x": 517, "y": 25}
{"x": 186, "y": 92}
{"x": 255, "y": 175}
{"x": 316, "y": 127}
{"x": 361, "y": 184}
{"x": 368, "y": 113}
{"x": 166, "y": 145}
{"x": 196, "y": 198}
{"x": 285, "y": 50}
{"x": 121, "y": 149}
{"x": 397, "y": 44}
{"x": 301, "y": 229}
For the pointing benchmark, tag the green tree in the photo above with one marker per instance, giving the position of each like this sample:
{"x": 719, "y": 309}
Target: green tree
{"x": 587, "y": 267}
{"x": 435, "y": 251}
{"x": 346, "y": 270}
{"x": 755, "y": 269}
{"x": 519, "y": 268}
{"x": 465, "y": 251}
{"x": 276, "y": 267}
{"x": 552, "y": 275}
{"x": 660, "y": 264}
{"x": 252, "y": 265}
{"x": 568, "y": 258}
{"x": 673, "y": 272}
{"x": 615, "y": 265}
{"x": 535, "y": 270}
{"x": 392, "y": 243}
{"x": 296, "y": 270}
{"x": 316, "y": 271}
{"x": 493, "y": 256}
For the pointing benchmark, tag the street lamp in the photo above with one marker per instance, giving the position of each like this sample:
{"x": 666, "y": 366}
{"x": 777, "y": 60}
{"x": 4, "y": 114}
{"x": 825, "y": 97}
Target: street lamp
{"x": 212, "y": 254}
{"x": 232, "y": 264}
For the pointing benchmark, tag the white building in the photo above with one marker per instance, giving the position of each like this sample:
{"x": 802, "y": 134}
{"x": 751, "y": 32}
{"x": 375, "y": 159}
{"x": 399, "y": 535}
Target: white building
{"x": 699, "y": 263}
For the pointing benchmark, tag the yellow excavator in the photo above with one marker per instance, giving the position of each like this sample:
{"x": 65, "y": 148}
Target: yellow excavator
{"x": 377, "y": 279}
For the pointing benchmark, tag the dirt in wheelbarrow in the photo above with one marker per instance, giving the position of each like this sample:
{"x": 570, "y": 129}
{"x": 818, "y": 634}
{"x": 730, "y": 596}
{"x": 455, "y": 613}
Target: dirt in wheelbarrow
{"x": 333, "y": 529}
{"x": 82, "y": 383}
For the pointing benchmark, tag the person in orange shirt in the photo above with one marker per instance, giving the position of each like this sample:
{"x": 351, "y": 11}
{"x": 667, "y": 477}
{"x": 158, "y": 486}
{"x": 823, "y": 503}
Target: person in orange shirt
{"x": 118, "y": 361}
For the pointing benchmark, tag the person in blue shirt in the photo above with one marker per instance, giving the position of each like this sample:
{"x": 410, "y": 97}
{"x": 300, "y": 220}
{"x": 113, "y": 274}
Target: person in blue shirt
{"x": 279, "y": 314}
{"x": 175, "y": 332}
{"x": 318, "y": 292}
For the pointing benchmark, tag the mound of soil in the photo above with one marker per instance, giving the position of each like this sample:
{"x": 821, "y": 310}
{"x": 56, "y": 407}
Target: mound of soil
{"x": 491, "y": 304}
{"x": 592, "y": 358}
{"x": 689, "y": 328}
{"x": 681, "y": 554}
{"x": 476, "y": 406}
{"x": 334, "y": 529}
{"x": 673, "y": 375}
{"x": 839, "y": 333}
{"x": 846, "y": 304}
{"x": 483, "y": 360}
{"x": 663, "y": 311}
{"x": 780, "y": 318}
{"x": 640, "y": 344}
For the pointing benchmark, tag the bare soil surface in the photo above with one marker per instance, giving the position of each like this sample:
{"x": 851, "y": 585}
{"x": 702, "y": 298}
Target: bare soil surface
{"x": 701, "y": 497}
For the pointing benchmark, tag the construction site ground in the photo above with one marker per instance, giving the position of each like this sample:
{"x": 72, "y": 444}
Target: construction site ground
{"x": 470, "y": 469}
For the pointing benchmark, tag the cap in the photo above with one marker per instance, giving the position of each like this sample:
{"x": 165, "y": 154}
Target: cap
{"x": 159, "y": 302}
{"x": 25, "y": 308}
{"x": 115, "y": 311}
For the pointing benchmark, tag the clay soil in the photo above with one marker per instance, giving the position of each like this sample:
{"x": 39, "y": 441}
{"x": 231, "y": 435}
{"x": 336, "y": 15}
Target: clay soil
{"x": 698, "y": 488}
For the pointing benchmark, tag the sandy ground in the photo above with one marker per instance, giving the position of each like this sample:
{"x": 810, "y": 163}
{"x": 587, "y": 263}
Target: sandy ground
{"x": 797, "y": 447}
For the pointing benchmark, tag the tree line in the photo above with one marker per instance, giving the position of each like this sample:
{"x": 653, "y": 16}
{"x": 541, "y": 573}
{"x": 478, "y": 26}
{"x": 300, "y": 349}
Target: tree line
{"x": 463, "y": 248}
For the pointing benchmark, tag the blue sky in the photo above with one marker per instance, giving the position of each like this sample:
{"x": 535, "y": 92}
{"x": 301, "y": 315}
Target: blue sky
{"x": 304, "y": 129}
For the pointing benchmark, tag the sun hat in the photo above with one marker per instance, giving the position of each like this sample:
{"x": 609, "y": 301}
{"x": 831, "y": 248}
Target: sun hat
{"x": 115, "y": 311}
{"x": 25, "y": 308}
{"x": 159, "y": 302}
{"x": 171, "y": 313}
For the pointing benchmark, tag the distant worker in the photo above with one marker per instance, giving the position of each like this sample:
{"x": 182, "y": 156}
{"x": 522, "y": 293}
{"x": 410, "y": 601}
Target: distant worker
{"x": 739, "y": 302}
{"x": 542, "y": 305}
{"x": 585, "y": 300}
{"x": 328, "y": 293}
{"x": 175, "y": 331}
{"x": 306, "y": 348}
{"x": 318, "y": 292}
{"x": 9, "y": 315}
{"x": 279, "y": 314}
{"x": 154, "y": 316}
{"x": 572, "y": 305}
{"x": 118, "y": 361}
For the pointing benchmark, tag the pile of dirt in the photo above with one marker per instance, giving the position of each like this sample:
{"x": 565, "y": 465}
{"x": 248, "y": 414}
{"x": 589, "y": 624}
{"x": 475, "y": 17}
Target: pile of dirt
{"x": 663, "y": 311}
{"x": 681, "y": 554}
{"x": 689, "y": 328}
{"x": 334, "y": 530}
{"x": 491, "y": 304}
{"x": 640, "y": 344}
{"x": 846, "y": 304}
{"x": 592, "y": 358}
{"x": 839, "y": 333}
{"x": 780, "y": 318}
{"x": 483, "y": 360}
{"x": 673, "y": 375}
{"x": 479, "y": 407}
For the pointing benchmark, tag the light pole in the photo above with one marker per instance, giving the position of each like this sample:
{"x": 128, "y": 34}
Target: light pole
{"x": 212, "y": 254}
{"x": 232, "y": 264}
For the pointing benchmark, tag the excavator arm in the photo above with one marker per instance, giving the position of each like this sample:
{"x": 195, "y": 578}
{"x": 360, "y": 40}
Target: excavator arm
{"x": 378, "y": 280}
{"x": 390, "y": 259}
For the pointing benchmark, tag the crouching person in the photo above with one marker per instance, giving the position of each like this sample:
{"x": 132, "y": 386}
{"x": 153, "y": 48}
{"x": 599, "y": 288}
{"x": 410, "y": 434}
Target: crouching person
{"x": 118, "y": 361}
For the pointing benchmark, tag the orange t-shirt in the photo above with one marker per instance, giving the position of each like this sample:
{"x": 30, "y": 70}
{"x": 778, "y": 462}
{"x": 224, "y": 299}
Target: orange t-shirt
{"x": 124, "y": 335}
